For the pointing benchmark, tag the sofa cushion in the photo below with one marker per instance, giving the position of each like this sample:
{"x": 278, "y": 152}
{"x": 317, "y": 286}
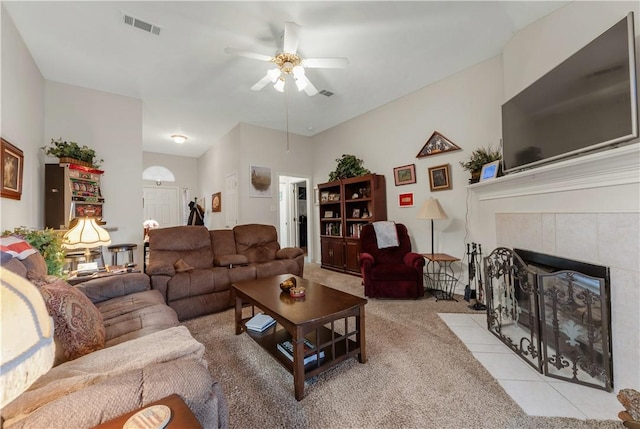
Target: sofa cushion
{"x": 181, "y": 266}
{"x": 78, "y": 323}
{"x": 274, "y": 268}
{"x": 230, "y": 260}
{"x": 259, "y": 243}
{"x": 15, "y": 266}
{"x": 192, "y": 244}
{"x": 197, "y": 282}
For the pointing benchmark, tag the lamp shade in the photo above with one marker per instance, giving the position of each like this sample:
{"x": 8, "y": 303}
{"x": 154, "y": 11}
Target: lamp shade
{"x": 27, "y": 347}
{"x": 85, "y": 234}
{"x": 431, "y": 209}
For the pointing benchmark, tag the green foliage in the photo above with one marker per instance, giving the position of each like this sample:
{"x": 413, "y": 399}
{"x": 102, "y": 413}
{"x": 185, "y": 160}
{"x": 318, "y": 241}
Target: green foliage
{"x": 48, "y": 242}
{"x": 480, "y": 157}
{"x": 348, "y": 166}
{"x": 64, "y": 149}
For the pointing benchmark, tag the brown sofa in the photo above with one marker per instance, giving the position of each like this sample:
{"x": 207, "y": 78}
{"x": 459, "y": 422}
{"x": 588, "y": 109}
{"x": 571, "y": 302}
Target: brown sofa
{"x": 193, "y": 267}
{"x": 146, "y": 357}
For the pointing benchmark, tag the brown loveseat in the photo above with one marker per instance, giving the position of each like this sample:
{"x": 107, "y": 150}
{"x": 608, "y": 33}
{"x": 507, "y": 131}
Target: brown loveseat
{"x": 193, "y": 267}
{"x": 146, "y": 356}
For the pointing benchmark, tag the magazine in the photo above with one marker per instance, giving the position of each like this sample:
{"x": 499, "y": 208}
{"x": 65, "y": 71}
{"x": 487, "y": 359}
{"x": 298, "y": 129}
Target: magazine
{"x": 260, "y": 322}
{"x": 286, "y": 347}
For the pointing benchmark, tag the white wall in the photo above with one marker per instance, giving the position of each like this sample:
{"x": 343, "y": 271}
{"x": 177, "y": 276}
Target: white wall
{"x": 112, "y": 125}
{"x": 464, "y": 107}
{"x": 22, "y": 124}
{"x": 184, "y": 169}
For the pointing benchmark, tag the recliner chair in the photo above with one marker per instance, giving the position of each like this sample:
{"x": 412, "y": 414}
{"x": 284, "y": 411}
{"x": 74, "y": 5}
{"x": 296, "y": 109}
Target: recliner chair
{"x": 392, "y": 272}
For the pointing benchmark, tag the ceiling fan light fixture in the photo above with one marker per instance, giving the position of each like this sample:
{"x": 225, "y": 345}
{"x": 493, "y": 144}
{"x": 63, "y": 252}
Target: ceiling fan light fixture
{"x": 274, "y": 74}
{"x": 301, "y": 84}
{"x": 298, "y": 71}
{"x": 279, "y": 85}
{"x": 179, "y": 138}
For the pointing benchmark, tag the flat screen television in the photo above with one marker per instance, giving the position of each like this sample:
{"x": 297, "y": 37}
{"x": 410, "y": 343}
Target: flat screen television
{"x": 587, "y": 102}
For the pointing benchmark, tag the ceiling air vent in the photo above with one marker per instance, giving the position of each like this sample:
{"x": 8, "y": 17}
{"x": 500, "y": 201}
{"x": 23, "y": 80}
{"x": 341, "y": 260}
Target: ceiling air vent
{"x": 144, "y": 26}
{"x": 325, "y": 93}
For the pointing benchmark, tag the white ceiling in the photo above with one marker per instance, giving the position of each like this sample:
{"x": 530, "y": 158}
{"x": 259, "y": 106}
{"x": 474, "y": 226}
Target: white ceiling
{"x": 189, "y": 85}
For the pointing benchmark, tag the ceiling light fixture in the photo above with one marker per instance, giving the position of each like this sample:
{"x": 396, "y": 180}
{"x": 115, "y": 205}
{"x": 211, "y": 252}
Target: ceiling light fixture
{"x": 179, "y": 138}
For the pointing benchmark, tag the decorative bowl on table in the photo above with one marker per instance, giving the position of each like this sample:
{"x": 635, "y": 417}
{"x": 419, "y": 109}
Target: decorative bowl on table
{"x": 297, "y": 292}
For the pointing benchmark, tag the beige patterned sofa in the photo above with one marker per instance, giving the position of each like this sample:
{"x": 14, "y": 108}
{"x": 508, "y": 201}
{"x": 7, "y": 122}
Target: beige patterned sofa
{"x": 144, "y": 355}
{"x": 193, "y": 267}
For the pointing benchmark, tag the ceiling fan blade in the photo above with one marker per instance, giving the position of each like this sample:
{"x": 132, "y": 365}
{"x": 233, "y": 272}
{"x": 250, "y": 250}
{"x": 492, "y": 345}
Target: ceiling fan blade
{"x": 291, "y": 39}
{"x": 309, "y": 89}
{"x": 247, "y": 54}
{"x": 261, "y": 83}
{"x": 326, "y": 63}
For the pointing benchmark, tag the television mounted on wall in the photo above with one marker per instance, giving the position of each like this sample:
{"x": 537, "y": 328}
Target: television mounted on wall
{"x": 587, "y": 102}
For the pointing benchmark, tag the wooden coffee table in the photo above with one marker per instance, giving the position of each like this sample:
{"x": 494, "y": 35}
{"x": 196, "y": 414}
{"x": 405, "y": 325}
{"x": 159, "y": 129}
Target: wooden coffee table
{"x": 330, "y": 319}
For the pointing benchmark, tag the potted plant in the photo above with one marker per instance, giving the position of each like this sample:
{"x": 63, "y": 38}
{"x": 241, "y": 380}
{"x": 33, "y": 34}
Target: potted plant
{"x": 48, "y": 242}
{"x": 348, "y": 166}
{"x": 73, "y": 153}
{"x": 478, "y": 158}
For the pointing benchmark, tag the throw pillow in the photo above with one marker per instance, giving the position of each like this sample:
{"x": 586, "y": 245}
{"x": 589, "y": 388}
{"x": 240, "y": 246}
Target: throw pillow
{"x": 17, "y": 247}
{"x": 39, "y": 280}
{"x": 181, "y": 266}
{"x": 79, "y": 326}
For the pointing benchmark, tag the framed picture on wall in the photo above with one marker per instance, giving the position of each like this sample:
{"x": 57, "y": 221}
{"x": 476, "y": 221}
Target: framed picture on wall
{"x": 405, "y": 175}
{"x": 405, "y": 200}
{"x": 436, "y": 144}
{"x": 260, "y": 182}
{"x": 439, "y": 178}
{"x": 12, "y": 165}
{"x": 216, "y": 202}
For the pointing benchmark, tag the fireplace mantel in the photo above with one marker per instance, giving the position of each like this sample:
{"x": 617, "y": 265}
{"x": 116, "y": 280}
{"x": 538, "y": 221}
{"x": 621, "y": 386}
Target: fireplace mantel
{"x": 617, "y": 166}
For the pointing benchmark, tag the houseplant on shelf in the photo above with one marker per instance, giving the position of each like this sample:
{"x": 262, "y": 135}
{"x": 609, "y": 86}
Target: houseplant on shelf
{"x": 73, "y": 153}
{"x": 348, "y": 166}
{"x": 478, "y": 158}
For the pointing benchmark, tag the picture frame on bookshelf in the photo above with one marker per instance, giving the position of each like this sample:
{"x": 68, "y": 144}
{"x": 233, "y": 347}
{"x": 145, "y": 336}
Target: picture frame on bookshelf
{"x": 405, "y": 200}
{"x": 328, "y": 214}
{"x": 439, "y": 178}
{"x": 405, "y": 175}
{"x": 324, "y": 197}
{"x": 356, "y": 213}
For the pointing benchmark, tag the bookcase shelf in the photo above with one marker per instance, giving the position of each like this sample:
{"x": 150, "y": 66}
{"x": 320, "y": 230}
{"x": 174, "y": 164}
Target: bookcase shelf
{"x": 349, "y": 204}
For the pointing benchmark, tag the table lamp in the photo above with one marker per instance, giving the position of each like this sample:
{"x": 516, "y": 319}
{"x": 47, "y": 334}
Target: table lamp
{"x": 431, "y": 209}
{"x": 149, "y": 224}
{"x": 86, "y": 234}
{"x": 27, "y": 347}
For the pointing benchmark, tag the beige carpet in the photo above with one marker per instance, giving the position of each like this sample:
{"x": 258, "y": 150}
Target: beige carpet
{"x": 418, "y": 375}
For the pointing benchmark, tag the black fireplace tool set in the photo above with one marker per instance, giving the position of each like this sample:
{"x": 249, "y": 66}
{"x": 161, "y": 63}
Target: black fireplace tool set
{"x": 474, "y": 256}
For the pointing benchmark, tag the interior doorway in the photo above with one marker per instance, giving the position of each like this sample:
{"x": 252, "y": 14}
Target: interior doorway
{"x": 293, "y": 213}
{"x": 161, "y": 204}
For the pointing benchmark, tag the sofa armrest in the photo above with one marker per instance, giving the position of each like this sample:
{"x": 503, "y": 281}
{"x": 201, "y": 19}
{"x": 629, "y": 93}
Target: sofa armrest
{"x": 102, "y": 289}
{"x": 160, "y": 268}
{"x": 230, "y": 260}
{"x": 414, "y": 260}
{"x": 366, "y": 261}
{"x": 289, "y": 253}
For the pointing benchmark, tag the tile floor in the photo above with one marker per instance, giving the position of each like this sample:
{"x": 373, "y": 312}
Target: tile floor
{"x": 536, "y": 394}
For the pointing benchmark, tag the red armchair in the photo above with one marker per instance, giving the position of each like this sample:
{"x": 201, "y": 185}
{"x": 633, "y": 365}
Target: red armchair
{"x": 392, "y": 272}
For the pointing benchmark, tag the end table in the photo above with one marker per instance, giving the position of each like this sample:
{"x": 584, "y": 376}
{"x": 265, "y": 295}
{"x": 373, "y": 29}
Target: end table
{"x": 181, "y": 415}
{"x": 439, "y": 275}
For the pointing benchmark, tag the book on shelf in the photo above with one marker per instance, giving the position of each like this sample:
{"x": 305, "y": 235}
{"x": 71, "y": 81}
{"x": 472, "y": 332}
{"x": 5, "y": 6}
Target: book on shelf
{"x": 310, "y": 355}
{"x": 260, "y": 322}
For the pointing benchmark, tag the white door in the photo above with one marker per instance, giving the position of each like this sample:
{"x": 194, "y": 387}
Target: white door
{"x": 230, "y": 200}
{"x": 161, "y": 204}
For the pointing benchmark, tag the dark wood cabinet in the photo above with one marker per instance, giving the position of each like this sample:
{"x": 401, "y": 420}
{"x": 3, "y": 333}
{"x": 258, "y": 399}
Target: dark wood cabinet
{"x": 345, "y": 207}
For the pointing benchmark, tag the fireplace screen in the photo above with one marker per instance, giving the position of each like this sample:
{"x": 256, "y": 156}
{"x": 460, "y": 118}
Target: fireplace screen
{"x": 552, "y": 313}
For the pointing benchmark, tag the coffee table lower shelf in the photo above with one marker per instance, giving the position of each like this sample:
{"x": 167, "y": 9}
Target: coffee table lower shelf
{"x": 337, "y": 347}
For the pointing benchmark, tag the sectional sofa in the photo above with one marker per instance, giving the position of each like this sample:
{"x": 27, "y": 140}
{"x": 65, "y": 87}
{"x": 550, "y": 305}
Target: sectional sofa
{"x": 193, "y": 267}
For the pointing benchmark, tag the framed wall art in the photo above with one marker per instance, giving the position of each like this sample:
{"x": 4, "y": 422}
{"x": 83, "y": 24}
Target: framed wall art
{"x": 260, "y": 182}
{"x": 12, "y": 166}
{"x": 216, "y": 202}
{"x": 405, "y": 175}
{"x": 436, "y": 144}
{"x": 439, "y": 178}
{"x": 405, "y": 200}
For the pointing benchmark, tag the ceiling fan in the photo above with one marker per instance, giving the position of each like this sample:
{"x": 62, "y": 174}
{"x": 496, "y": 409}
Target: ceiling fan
{"x": 289, "y": 65}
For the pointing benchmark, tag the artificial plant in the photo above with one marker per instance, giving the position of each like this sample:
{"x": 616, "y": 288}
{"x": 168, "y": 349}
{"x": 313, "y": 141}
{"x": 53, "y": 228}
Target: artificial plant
{"x": 64, "y": 149}
{"x": 480, "y": 157}
{"x": 348, "y": 166}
